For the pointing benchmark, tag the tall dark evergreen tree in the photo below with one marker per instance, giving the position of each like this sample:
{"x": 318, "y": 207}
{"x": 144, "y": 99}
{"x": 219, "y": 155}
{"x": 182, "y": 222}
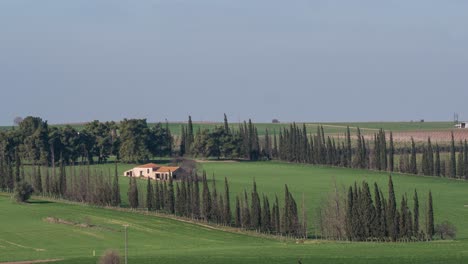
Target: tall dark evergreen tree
{"x": 430, "y": 218}
{"x": 392, "y": 217}
{"x": 206, "y": 203}
{"x": 133, "y": 193}
{"x": 115, "y": 201}
{"x": 170, "y": 196}
{"x": 149, "y": 195}
{"x": 437, "y": 163}
{"x": 237, "y": 213}
{"x": 413, "y": 167}
{"x": 227, "y": 203}
{"x": 391, "y": 154}
{"x": 256, "y": 211}
{"x": 416, "y": 213}
{"x": 453, "y": 163}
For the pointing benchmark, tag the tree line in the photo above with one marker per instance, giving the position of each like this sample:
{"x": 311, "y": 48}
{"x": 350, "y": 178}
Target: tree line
{"x": 193, "y": 198}
{"x": 296, "y": 144}
{"x": 357, "y": 215}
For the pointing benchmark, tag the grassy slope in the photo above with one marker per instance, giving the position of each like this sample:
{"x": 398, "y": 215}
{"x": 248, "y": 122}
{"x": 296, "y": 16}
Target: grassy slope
{"x": 315, "y": 182}
{"x": 154, "y": 239}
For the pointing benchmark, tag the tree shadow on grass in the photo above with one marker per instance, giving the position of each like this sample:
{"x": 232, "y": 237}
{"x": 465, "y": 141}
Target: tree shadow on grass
{"x": 40, "y": 202}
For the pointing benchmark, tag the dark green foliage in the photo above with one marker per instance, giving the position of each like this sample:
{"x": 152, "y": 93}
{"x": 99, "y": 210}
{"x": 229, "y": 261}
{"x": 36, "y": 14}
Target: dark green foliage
{"x": 149, "y": 195}
{"x": 115, "y": 189}
{"x": 391, "y": 154}
{"x": 227, "y": 207}
{"x": 237, "y": 213}
{"x": 23, "y": 191}
{"x": 453, "y": 163}
{"x": 430, "y": 218}
{"x": 170, "y": 197}
{"x": 256, "y": 211}
{"x": 413, "y": 167}
{"x": 391, "y": 211}
{"x": 416, "y": 213}
{"x": 245, "y": 214}
{"x": 206, "y": 213}
{"x": 133, "y": 193}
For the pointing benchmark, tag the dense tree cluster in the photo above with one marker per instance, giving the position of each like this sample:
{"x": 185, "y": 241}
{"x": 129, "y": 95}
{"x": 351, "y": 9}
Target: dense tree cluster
{"x": 296, "y": 144}
{"x": 221, "y": 141}
{"x": 357, "y": 215}
{"x": 192, "y": 197}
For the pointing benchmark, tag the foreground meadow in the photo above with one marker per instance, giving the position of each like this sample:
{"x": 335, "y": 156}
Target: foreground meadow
{"x": 27, "y": 234}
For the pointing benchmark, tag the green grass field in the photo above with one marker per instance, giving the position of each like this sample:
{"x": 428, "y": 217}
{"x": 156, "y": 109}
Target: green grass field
{"x": 25, "y": 235}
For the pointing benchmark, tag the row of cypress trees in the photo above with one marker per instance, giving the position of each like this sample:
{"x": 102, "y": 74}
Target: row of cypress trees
{"x": 193, "y": 198}
{"x": 295, "y": 144}
{"x": 75, "y": 183}
{"x": 360, "y": 216}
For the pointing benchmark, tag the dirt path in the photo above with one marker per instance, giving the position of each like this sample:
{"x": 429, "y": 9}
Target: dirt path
{"x": 32, "y": 261}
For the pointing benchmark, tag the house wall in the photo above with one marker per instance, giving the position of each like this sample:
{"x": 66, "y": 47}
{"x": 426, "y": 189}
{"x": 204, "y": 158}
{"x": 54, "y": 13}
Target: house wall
{"x": 149, "y": 173}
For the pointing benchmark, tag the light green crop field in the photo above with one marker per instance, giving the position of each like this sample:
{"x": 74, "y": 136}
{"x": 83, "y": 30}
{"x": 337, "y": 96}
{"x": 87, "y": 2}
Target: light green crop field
{"x": 24, "y": 235}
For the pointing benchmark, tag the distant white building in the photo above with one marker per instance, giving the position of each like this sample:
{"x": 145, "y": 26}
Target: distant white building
{"x": 461, "y": 125}
{"x": 154, "y": 171}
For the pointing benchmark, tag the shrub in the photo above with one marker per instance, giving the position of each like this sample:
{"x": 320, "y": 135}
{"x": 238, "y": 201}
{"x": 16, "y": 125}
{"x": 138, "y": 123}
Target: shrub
{"x": 23, "y": 191}
{"x": 446, "y": 230}
{"x": 110, "y": 257}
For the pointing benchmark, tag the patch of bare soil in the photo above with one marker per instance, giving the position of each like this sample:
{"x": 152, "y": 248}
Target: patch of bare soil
{"x": 32, "y": 261}
{"x": 65, "y": 222}
{"x": 422, "y": 136}
{"x": 55, "y": 220}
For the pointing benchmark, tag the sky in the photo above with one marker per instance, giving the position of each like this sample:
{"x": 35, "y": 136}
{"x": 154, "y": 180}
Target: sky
{"x": 298, "y": 60}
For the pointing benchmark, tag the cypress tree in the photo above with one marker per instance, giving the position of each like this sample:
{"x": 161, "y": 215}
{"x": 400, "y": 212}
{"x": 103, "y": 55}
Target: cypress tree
{"x": 133, "y": 193}
{"x": 391, "y": 154}
{"x": 368, "y": 210}
{"x": 277, "y": 220}
{"x": 350, "y": 230}
{"x": 430, "y": 218}
{"x": 206, "y": 204}
{"x": 349, "y": 152}
{"x": 460, "y": 163}
{"x": 183, "y": 199}
{"x": 416, "y": 213}
{"x": 47, "y": 187}
{"x": 38, "y": 187}
{"x": 437, "y": 165}
{"x": 237, "y": 218}
{"x": 196, "y": 198}
{"x": 413, "y": 164}
{"x": 430, "y": 157}
{"x": 246, "y": 212}
{"x": 115, "y": 200}
{"x": 465, "y": 161}
{"x": 157, "y": 197}
{"x": 377, "y": 224}
{"x": 256, "y": 212}
{"x": 178, "y": 201}
{"x": 170, "y": 196}
{"x": 227, "y": 203}
{"x": 266, "y": 215}
{"x": 149, "y": 195}
{"x": 215, "y": 209}
{"x": 453, "y": 162}
{"x": 392, "y": 212}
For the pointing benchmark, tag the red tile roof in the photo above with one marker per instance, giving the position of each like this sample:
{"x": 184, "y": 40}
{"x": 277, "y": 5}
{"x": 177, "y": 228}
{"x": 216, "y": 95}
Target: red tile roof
{"x": 167, "y": 169}
{"x": 149, "y": 166}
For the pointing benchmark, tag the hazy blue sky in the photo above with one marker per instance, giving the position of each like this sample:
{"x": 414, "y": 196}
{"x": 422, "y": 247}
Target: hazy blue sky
{"x": 73, "y": 61}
